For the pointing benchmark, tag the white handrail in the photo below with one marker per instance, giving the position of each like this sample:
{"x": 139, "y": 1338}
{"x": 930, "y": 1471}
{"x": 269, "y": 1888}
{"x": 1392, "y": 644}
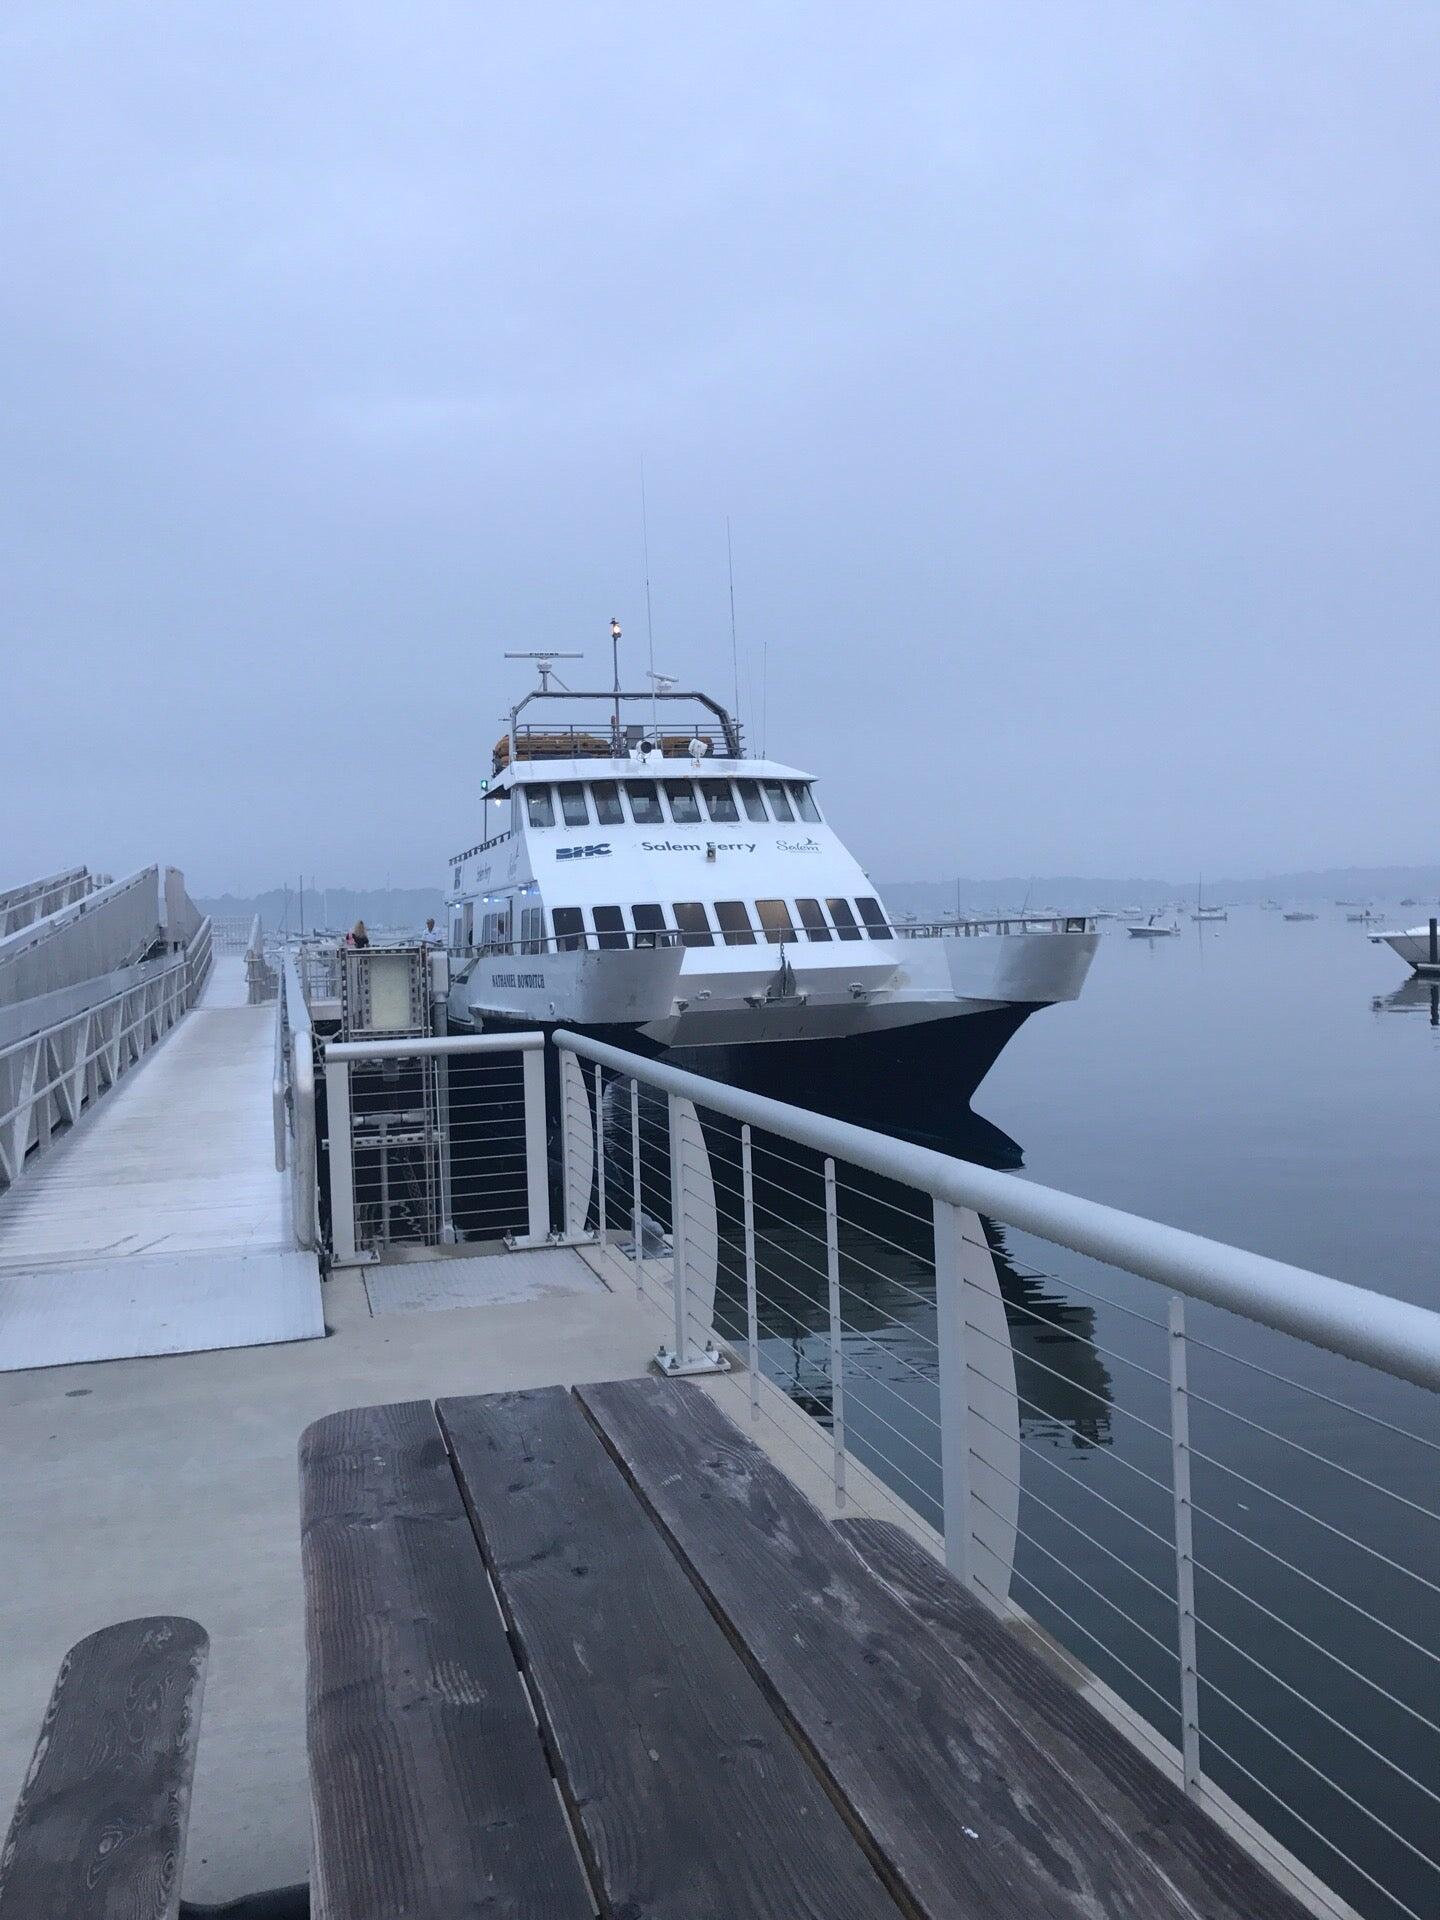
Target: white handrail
{"x": 423, "y": 1049}
{"x": 1391, "y": 1334}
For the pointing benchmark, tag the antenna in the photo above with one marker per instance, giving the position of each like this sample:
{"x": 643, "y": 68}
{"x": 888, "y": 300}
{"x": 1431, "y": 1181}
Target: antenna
{"x": 734, "y": 648}
{"x": 546, "y": 664}
{"x": 649, "y": 619}
{"x": 615, "y": 661}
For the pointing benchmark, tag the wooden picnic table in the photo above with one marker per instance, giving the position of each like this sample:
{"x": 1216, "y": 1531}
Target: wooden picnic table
{"x": 593, "y": 1649}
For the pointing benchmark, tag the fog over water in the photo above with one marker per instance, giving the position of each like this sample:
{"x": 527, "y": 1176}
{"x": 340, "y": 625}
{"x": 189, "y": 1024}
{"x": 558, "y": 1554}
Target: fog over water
{"x": 1067, "y": 374}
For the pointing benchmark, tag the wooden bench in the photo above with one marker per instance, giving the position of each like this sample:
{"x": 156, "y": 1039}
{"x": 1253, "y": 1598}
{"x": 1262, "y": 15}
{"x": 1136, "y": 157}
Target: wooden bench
{"x": 982, "y": 1783}
{"x": 99, "y": 1829}
{"x": 585, "y": 1650}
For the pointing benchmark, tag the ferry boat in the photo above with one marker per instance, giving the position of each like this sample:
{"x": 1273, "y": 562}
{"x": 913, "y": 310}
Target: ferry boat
{"x": 643, "y": 879}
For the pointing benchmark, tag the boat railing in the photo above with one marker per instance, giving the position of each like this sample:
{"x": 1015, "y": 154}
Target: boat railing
{"x": 968, "y": 926}
{"x": 1208, "y": 1475}
{"x": 557, "y": 740}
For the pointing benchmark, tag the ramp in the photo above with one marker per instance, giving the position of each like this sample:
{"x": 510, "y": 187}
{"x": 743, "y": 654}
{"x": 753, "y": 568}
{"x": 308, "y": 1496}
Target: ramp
{"x": 160, "y": 1224}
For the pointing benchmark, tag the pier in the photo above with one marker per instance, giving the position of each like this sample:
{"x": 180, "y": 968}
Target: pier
{"x": 604, "y": 1330}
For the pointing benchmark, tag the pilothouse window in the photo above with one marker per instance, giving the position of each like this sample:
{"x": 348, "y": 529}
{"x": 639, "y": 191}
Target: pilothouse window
{"x": 569, "y": 924}
{"x": 541, "y": 805}
{"x": 844, "y": 919}
{"x": 608, "y": 810}
{"x": 684, "y": 807}
{"x": 644, "y": 803}
{"x": 813, "y": 920}
{"x": 719, "y": 800}
{"x": 694, "y": 924}
{"x": 610, "y": 927}
{"x": 873, "y": 914}
{"x": 775, "y": 920}
{"x": 754, "y": 806}
{"x": 572, "y": 804}
{"x": 735, "y": 923}
{"x": 779, "y": 805}
{"x": 804, "y": 804}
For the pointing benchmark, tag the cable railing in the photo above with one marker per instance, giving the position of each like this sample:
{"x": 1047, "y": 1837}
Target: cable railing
{"x": 1208, "y": 1476}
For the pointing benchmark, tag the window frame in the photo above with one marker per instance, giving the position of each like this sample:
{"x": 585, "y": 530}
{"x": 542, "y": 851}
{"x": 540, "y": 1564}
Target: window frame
{"x": 819, "y": 929}
{"x": 614, "y": 938}
{"x": 847, "y": 928}
{"x": 567, "y": 939}
{"x": 568, "y": 792}
{"x": 800, "y": 798}
{"x": 724, "y": 788}
{"x": 753, "y": 802}
{"x": 604, "y": 816}
{"x": 879, "y": 927}
{"x": 631, "y": 788}
{"x": 539, "y": 791}
{"x": 680, "y": 789}
{"x": 777, "y": 935}
{"x": 648, "y": 936}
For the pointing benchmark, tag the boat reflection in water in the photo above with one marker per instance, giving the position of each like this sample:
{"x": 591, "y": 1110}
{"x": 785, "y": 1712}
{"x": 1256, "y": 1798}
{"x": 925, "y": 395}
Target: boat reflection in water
{"x": 1418, "y": 995}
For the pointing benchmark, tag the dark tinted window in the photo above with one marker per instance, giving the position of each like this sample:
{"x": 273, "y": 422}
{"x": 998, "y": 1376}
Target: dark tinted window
{"x": 735, "y": 923}
{"x": 684, "y": 807}
{"x": 649, "y": 924}
{"x": 804, "y": 805}
{"x": 813, "y": 920}
{"x": 719, "y": 800}
{"x": 608, "y": 810}
{"x": 844, "y": 919}
{"x": 775, "y": 921}
{"x": 610, "y": 927}
{"x": 694, "y": 924}
{"x": 873, "y": 914}
{"x": 779, "y": 805}
{"x": 569, "y": 925}
{"x": 644, "y": 803}
{"x": 573, "y": 810}
{"x": 542, "y": 806}
{"x": 754, "y": 806}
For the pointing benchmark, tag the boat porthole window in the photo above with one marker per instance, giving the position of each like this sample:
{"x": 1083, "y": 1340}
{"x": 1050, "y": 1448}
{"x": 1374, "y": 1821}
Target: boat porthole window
{"x": 608, "y": 810}
{"x": 719, "y": 800}
{"x": 779, "y": 805}
{"x": 610, "y": 928}
{"x": 573, "y": 809}
{"x": 804, "y": 802}
{"x": 569, "y": 925}
{"x": 844, "y": 918}
{"x": 734, "y": 922}
{"x": 541, "y": 805}
{"x": 684, "y": 807}
{"x": 873, "y": 914}
{"x": 749, "y": 791}
{"x": 649, "y": 922}
{"x": 775, "y": 920}
{"x": 694, "y": 923}
{"x": 813, "y": 920}
{"x": 644, "y": 803}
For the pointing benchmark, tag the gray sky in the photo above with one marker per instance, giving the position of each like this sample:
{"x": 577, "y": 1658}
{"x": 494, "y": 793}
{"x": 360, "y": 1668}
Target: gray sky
{"x": 1068, "y": 371}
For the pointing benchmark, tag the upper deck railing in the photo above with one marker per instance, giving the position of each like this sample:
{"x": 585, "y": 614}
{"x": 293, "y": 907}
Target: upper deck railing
{"x": 611, "y": 735}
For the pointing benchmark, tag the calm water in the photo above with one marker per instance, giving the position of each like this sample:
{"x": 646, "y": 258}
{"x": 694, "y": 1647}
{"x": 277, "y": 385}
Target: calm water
{"x": 1240, "y": 1081}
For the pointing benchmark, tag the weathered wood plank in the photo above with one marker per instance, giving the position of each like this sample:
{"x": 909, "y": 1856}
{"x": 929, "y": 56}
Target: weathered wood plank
{"x": 963, "y": 1810}
{"x": 99, "y": 1830}
{"x": 430, "y": 1790}
{"x": 689, "y": 1796}
{"x": 1196, "y": 1854}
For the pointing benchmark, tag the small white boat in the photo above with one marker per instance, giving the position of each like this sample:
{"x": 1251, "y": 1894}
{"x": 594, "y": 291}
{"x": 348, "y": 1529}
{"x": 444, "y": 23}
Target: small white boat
{"x": 1153, "y": 929}
{"x": 1211, "y": 913}
{"x": 1416, "y": 946}
{"x": 1301, "y": 914}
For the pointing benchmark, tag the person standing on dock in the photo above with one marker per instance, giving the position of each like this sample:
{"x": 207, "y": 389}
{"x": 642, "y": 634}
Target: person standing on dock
{"x": 358, "y": 935}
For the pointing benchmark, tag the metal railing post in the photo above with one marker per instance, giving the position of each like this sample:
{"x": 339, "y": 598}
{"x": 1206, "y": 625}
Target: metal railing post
{"x": 342, "y": 1165}
{"x": 637, "y": 1231}
{"x": 752, "y": 1305}
{"x": 954, "y": 1392}
{"x": 600, "y": 1234}
{"x": 837, "y": 1358}
{"x": 537, "y": 1160}
{"x": 1184, "y": 1547}
{"x": 677, "y": 1222}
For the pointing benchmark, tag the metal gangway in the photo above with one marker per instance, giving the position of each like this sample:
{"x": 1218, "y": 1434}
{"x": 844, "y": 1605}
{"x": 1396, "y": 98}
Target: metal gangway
{"x": 134, "y": 1136}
